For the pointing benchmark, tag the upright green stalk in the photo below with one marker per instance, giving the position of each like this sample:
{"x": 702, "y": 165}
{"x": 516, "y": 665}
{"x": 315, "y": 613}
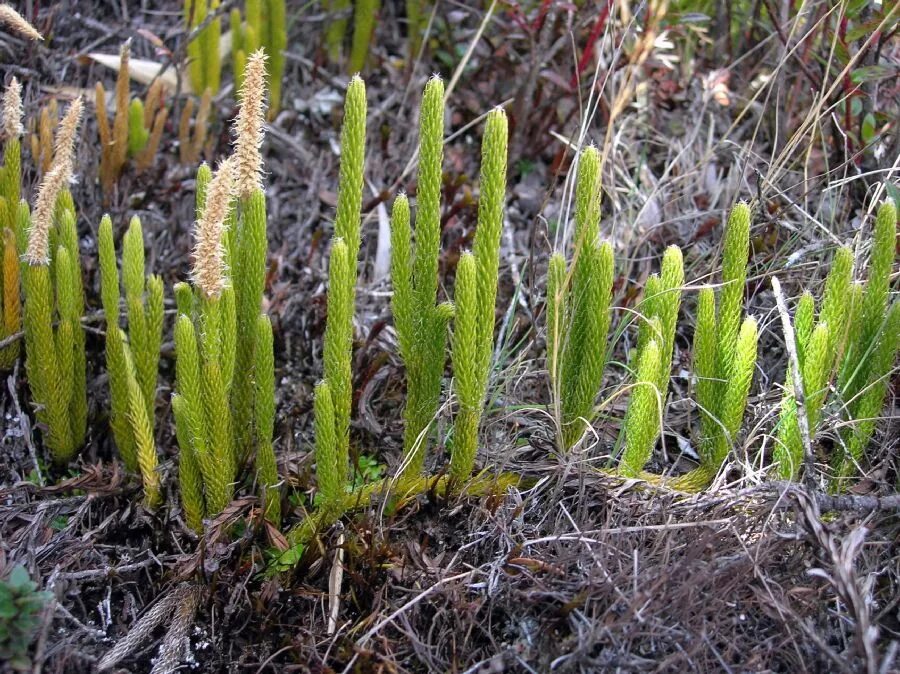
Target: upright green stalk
{"x": 642, "y": 419}
{"x": 471, "y": 362}
{"x": 363, "y": 27}
{"x": 334, "y": 452}
{"x": 203, "y": 51}
{"x": 144, "y": 306}
{"x": 205, "y": 358}
{"x": 338, "y": 351}
{"x": 724, "y": 349}
{"x": 421, "y": 325}
{"x": 266, "y": 466}
{"x": 10, "y": 190}
{"x": 578, "y": 320}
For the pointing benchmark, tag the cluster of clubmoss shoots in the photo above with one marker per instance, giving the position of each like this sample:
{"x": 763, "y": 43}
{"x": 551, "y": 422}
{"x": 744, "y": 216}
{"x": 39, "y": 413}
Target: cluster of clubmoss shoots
{"x": 263, "y": 26}
{"x": 246, "y": 249}
{"x": 136, "y": 128}
{"x": 132, "y": 361}
{"x": 12, "y": 226}
{"x": 849, "y": 348}
{"x": 656, "y": 340}
{"x": 192, "y": 141}
{"x": 724, "y": 351}
{"x": 205, "y": 341}
{"x": 475, "y": 299}
{"x": 578, "y": 310}
{"x": 54, "y": 339}
{"x": 364, "y": 14}
{"x": 420, "y": 323}
{"x": 40, "y": 135}
{"x": 333, "y": 395}
{"x": 205, "y": 32}
{"x": 220, "y": 329}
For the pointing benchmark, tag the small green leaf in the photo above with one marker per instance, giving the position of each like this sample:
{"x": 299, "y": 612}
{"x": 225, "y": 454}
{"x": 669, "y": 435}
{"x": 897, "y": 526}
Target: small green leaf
{"x": 873, "y": 73}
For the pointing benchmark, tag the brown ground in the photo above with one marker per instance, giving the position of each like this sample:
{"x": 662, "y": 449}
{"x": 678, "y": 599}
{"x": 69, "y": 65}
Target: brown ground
{"x": 573, "y": 571}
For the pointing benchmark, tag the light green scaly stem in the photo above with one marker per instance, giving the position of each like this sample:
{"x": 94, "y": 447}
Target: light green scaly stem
{"x": 642, "y": 417}
{"x": 142, "y": 430}
{"x": 353, "y": 147}
{"x": 190, "y": 479}
{"x": 329, "y": 472}
{"x": 428, "y": 194}
{"x": 68, "y": 239}
{"x": 815, "y": 370}
{"x": 835, "y": 304}
{"x": 583, "y": 353}
{"x": 249, "y": 284}
{"x": 266, "y": 466}
{"x": 867, "y": 408}
{"x": 276, "y": 44}
{"x": 138, "y": 134}
{"x": 705, "y": 372}
{"x": 403, "y": 303}
{"x": 363, "y": 27}
{"x": 557, "y": 297}
{"x": 421, "y": 326}
{"x": 465, "y": 354}
{"x": 486, "y": 248}
{"x": 804, "y": 322}
{"x": 116, "y": 364}
{"x": 734, "y": 276}
{"x": 476, "y": 304}
{"x": 671, "y": 280}
{"x": 338, "y": 349}
{"x": 855, "y": 371}
{"x": 734, "y": 401}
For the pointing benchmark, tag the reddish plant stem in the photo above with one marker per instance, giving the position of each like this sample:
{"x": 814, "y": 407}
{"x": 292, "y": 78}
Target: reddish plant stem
{"x": 588, "y": 52}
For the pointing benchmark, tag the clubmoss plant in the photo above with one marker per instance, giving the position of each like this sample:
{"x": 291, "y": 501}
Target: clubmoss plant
{"x": 136, "y": 128}
{"x": 136, "y": 356}
{"x": 205, "y": 61}
{"x": 476, "y": 294}
{"x": 724, "y": 348}
{"x": 54, "y": 340}
{"x": 192, "y": 143}
{"x": 578, "y": 313}
{"x": 334, "y": 393}
{"x": 866, "y": 408}
{"x": 245, "y": 246}
{"x": 340, "y": 11}
{"x": 656, "y": 340}
{"x": 141, "y": 427}
{"x": 205, "y": 358}
{"x": 851, "y": 345}
{"x": 364, "y": 16}
{"x": 41, "y": 131}
{"x": 643, "y": 418}
{"x": 10, "y": 191}
{"x": 264, "y": 26}
{"x": 872, "y": 342}
{"x": 421, "y": 324}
